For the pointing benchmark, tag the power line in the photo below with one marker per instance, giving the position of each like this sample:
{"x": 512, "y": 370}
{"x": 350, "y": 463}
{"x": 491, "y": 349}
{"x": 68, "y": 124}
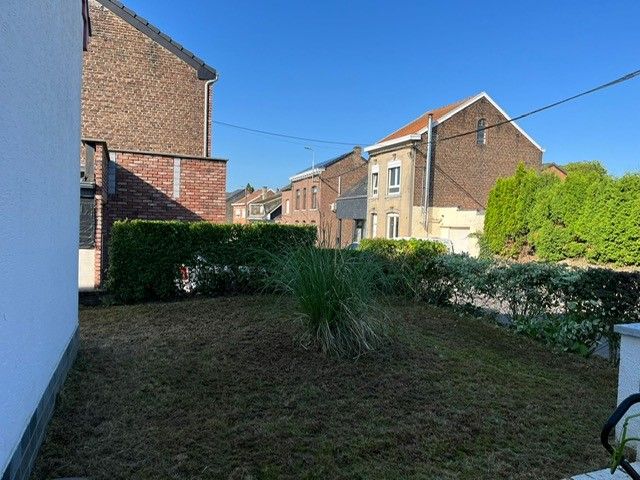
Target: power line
{"x": 624, "y": 78}
{"x": 283, "y": 135}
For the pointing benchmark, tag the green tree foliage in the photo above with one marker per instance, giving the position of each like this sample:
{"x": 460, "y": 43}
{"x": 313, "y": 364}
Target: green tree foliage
{"x": 588, "y": 215}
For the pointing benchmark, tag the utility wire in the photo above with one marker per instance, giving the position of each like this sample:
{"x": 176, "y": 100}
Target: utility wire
{"x": 314, "y": 140}
{"x": 624, "y": 78}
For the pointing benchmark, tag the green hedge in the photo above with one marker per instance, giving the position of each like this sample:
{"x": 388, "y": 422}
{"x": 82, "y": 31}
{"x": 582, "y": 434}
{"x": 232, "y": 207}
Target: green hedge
{"x": 569, "y": 308}
{"x": 404, "y": 262}
{"x": 588, "y": 215}
{"x": 166, "y": 259}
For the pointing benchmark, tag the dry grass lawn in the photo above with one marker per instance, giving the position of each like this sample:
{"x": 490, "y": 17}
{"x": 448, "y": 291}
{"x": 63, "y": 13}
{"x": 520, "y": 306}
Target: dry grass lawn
{"x": 221, "y": 389}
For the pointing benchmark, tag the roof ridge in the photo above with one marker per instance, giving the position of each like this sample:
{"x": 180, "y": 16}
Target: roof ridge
{"x": 204, "y": 71}
{"x": 448, "y": 107}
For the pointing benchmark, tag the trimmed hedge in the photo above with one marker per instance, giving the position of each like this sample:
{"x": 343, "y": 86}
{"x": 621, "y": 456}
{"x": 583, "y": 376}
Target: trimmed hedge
{"x": 588, "y": 215}
{"x": 404, "y": 262}
{"x": 568, "y": 308}
{"x": 163, "y": 260}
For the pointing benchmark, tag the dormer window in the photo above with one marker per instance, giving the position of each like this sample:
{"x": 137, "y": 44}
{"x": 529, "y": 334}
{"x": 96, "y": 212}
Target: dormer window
{"x": 481, "y": 132}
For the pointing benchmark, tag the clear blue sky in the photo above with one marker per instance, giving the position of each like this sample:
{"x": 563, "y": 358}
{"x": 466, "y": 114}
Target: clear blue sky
{"x": 354, "y": 71}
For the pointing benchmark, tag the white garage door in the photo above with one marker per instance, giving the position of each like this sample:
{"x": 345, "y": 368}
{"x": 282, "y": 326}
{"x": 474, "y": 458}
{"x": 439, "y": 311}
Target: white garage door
{"x": 460, "y": 239}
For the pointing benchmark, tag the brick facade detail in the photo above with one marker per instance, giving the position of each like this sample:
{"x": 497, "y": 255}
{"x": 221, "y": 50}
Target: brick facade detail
{"x": 144, "y": 106}
{"x": 145, "y": 188}
{"x": 335, "y": 179}
{"x": 137, "y": 95}
{"x": 463, "y": 172}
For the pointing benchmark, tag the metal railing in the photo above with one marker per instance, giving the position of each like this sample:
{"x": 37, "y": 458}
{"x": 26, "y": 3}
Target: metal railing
{"x": 610, "y": 425}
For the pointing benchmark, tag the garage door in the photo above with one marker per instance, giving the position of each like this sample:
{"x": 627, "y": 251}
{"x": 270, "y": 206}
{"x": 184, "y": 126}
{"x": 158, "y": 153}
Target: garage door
{"x": 460, "y": 239}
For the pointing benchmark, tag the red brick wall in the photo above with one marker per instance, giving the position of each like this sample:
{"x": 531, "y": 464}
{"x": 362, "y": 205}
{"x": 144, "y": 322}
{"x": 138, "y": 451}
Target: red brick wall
{"x": 137, "y": 95}
{"x": 463, "y": 172}
{"x": 144, "y": 189}
{"x": 346, "y": 172}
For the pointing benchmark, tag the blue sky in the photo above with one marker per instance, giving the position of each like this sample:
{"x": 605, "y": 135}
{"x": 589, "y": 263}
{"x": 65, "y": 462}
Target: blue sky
{"x": 353, "y": 71}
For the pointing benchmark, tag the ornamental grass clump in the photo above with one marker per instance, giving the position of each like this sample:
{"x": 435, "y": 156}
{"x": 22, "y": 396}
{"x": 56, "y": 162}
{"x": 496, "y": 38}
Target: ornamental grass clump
{"x": 336, "y": 298}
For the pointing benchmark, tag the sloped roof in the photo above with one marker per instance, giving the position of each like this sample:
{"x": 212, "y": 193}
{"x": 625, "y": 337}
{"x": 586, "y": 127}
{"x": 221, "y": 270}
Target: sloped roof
{"x": 358, "y": 190}
{"x": 422, "y": 121}
{"x": 269, "y": 197}
{"x": 250, "y": 197}
{"x": 413, "y": 130}
{"x": 205, "y": 72}
{"x": 325, "y": 164}
{"x": 234, "y": 194}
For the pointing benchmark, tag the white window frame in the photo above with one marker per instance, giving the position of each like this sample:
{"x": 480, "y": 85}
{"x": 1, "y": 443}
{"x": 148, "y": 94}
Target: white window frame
{"x": 393, "y": 189}
{"x": 374, "y": 225}
{"x": 287, "y": 206}
{"x": 314, "y": 198}
{"x": 393, "y": 218}
{"x": 481, "y": 132}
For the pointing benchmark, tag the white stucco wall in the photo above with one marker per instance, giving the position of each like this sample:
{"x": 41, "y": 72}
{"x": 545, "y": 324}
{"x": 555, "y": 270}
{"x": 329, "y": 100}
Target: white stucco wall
{"x": 629, "y": 376}
{"x": 452, "y": 224}
{"x": 86, "y": 268}
{"x": 40, "y": 74}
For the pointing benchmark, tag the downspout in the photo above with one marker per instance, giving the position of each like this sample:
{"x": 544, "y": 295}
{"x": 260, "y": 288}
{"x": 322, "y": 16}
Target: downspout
{"x": 207, "y": 89}
{"x": 427, "y": 174}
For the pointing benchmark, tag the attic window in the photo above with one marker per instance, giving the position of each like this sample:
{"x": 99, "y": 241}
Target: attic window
{"x": 481, "y": 133}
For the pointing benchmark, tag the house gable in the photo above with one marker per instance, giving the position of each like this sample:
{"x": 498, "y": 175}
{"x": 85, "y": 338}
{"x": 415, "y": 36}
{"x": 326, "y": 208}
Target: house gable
{"x": 414, "y": 130}
{"x": 137, "y": 94}
{"x": 204, "y": 71}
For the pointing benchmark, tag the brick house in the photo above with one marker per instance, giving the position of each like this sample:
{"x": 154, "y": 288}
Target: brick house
{"x": 311, "y": 198}
{"x": 260, "y": 205}
{"x": 461, "y": 171}
{"x": 146, "y": 127}
{"x": 555, "y": 169}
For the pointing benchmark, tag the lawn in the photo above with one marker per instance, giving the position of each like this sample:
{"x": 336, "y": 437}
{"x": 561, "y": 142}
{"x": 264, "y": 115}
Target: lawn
{"x": 221, "y": 389}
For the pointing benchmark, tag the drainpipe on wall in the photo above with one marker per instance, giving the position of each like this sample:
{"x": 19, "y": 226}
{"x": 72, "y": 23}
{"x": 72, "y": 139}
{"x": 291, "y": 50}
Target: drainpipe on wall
{"x": 207, "y": 89}
{"x": 427, "y": 174}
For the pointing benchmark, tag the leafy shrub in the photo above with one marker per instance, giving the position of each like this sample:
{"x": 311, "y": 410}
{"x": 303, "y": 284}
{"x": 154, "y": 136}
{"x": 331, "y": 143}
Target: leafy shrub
{"x": 456, "y": 280}
{"x": 588, "y": 215}
{"x": 166, "y": 259}
{"x": 569, "y": 308}
{"x": 405, "y": 263}
{"x": 336, "y": 297}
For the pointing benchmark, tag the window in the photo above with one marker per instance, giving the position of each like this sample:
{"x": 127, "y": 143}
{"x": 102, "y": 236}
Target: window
{"x": 286, "y": 206}
{"x": 314, "y": 198}
{"x": 374, "y": 184}
{"x": 304, "y": 198}
{"x": 481, "y": 133}
{"x": 394, "y": 180}
{"x": 392, "y": 225}
{"x": 256, "y": 209}
{"x": 238, "y": 212}
{"x": 298, "y": 199}
{"x": 358, "y": 231}
{"x": 374, "y": 225}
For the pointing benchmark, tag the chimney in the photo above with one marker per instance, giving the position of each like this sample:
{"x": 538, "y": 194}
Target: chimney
{"x": 264, "y": 192}
{"x": 357, "y": 150}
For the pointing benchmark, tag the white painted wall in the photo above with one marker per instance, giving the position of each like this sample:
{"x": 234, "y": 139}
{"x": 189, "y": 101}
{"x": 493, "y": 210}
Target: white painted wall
{"x": 40, "y": 74}
{"x": 86, "y": 268}
{"x": 629, "y": 376}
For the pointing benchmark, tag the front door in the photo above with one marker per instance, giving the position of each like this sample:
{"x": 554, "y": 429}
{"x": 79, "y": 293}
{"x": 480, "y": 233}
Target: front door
{"x": 359, "y": 231}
